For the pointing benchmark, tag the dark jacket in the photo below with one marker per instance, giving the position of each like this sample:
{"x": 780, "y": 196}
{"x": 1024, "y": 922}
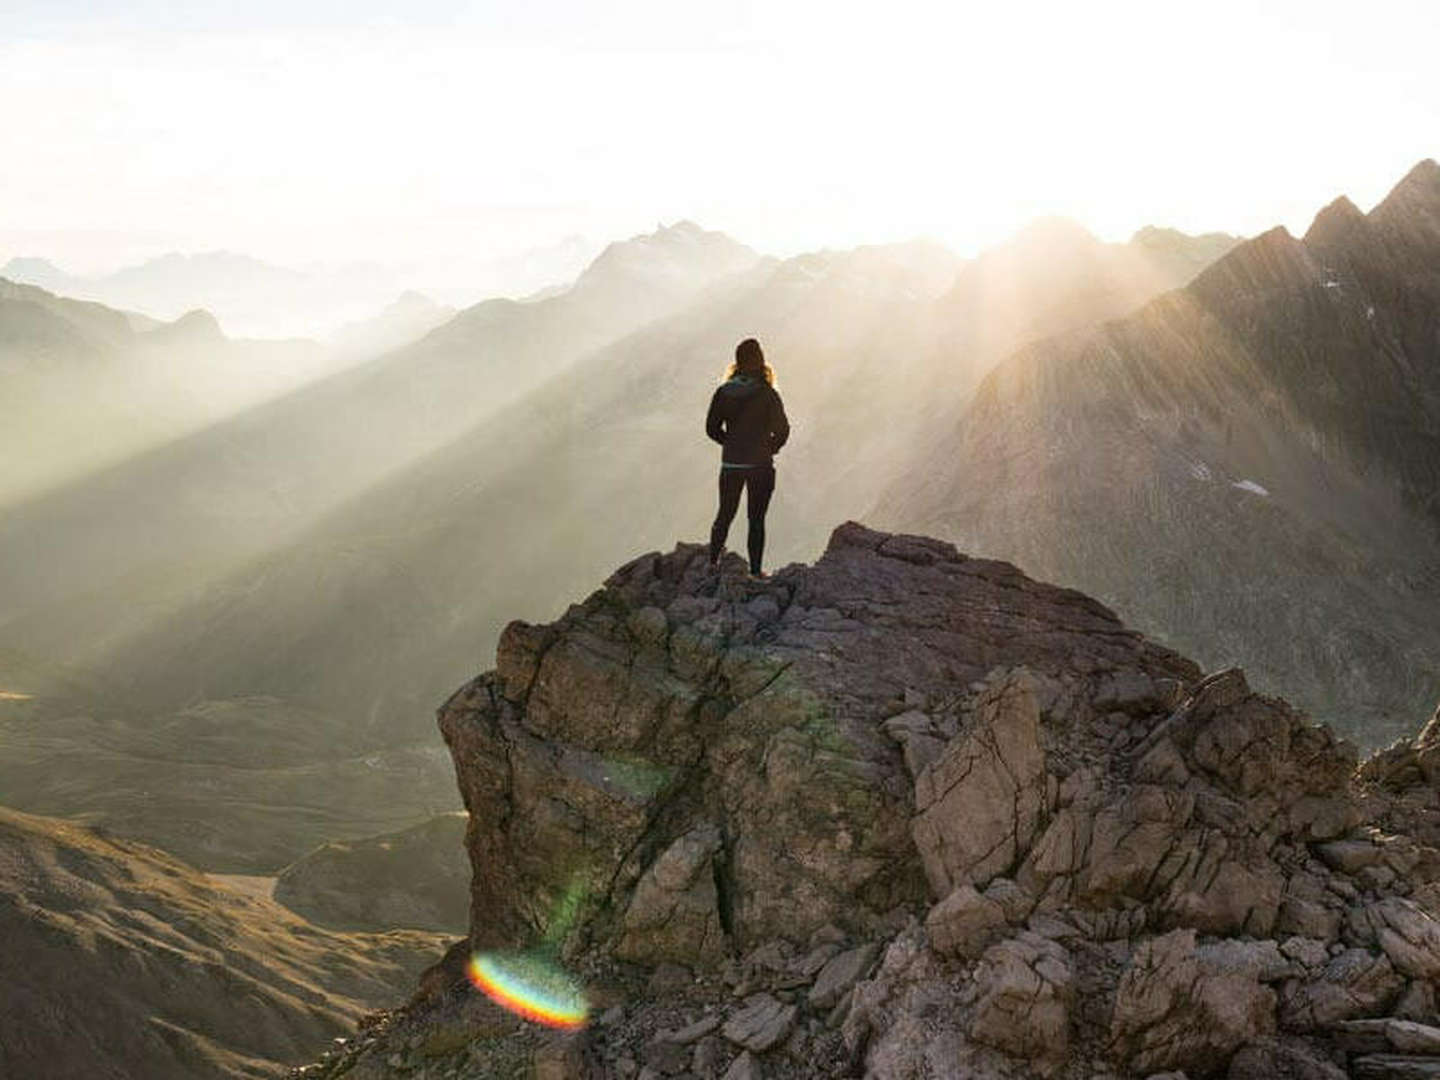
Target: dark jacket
{"x": 747, "y": 418}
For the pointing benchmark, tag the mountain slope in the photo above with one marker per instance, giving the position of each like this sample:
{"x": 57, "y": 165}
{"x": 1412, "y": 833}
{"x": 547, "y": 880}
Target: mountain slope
{"x": 167, "y": 519}
{"x": 517, "y": 513}
{"x": 1245, "y": 467}
{"x": 275, "y": 575}
{"x": 120, "y": 961}
{"x": 85, "y": 385}
{"x": 1054, "y": 276}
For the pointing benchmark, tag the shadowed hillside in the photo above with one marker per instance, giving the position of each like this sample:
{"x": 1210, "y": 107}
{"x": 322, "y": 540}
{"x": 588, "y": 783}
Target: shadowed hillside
{"x": 120, "y": 962}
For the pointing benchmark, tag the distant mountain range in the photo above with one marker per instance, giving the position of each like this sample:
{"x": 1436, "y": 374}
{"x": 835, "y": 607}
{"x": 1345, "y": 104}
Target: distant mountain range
{"x": 255, "y": 298}
{"x": 85, "y": 386}
{"x": 327, "y": 564}
{"x": 92, "y": 568}
{"x": 405, "y": 320}
{"x": 365, "y": 537}
{"x": 1248, "y": 468}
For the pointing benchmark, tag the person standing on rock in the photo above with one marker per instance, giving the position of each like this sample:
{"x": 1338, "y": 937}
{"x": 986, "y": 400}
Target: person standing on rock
{"x": 747, "y": 418}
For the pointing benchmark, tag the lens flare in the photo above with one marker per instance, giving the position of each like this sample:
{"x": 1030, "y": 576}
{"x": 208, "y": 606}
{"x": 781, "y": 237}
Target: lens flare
{"x": 531, "y": 986}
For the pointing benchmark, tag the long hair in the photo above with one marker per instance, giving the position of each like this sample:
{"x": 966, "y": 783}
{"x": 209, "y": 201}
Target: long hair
{"x": 750, "y": 360}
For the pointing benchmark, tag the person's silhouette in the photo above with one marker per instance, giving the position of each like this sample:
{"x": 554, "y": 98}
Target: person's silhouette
{"x": 747, "y": 418}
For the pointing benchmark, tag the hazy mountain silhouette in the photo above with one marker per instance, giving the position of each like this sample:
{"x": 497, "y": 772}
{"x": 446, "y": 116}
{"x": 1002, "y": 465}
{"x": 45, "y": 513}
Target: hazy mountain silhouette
{"x": 243, "y": 485}
{"x": 1246, "y": 467}
{"x": 105, "y": 561}
{"x": 408, "y": 318}
{"x": 85, "y": 385}
{"x": 1053, "y": 276}
{"x": 248, "y": 295}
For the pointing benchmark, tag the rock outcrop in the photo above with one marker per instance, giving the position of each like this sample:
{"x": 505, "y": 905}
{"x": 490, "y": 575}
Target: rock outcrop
{"x": 906, "y": 813}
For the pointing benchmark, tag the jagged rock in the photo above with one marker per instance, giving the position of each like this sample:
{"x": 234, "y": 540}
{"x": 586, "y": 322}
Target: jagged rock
{"x": 600, "y": 741}
{"x": 692, "y": 1032}
{"x": 964, "y": 923}
{"x": 666, "y": 1057}
{"x": 900, "y": 733}
{"x": 559, "y": 1057}
{"x": 978, "y": 805}
{"x": 1025, "y": 993}
{"x": 810, "y": 964}
{"x": 1168, "y": 1012}
{"x": 1261, "y": 961}
{"x": 919, "y": 738}
{"x": 668, "y": 978}
{"x": 1409, "y": 935}
{"x": 1355, "y": 983}
{"x": 1387, "y": 1035}
{"x": 840, "y": 974}
{"x": 1417, "y": 1003}
{"x": 673, "y": 914}
{"x": 744, "y": 1067}
{"x": 1394, "y": 1067}
{"x": 1349, "y": 856}
{"x": 1317, "y": 919}
{"x": 1014, "y": 900}
{"x": 762, "y": 1023}
{"x": 1309, "y": 953}
{"x": 1281, "y": 1058}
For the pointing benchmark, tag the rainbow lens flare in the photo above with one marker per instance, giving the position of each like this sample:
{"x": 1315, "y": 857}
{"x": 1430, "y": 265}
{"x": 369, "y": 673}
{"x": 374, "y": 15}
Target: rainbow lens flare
{"x": 531, "y": 986}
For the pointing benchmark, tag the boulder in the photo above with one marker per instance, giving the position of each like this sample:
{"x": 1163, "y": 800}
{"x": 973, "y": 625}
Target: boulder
{"x": 1026, "y": 987}
{"x": 964, "y": 923}
{"x": 840, "y": 973}
{"x": 1169, "y": 1013}
{"x": 673, "y": 914}
{"x": 763, "y": 1022}
{"x": 979, "y": 804}
{"x": 1355, "y": 983}
{"x": 1282, "y": 1058}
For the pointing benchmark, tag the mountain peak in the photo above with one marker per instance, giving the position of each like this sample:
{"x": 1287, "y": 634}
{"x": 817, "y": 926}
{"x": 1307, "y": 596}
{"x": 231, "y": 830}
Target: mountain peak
{"x": 1336, "y": 223}
{"x": 1414, "y": 201}
{"x": 682, "y": 255}
{"x": 22, "y": 265}
{"x": 193, "y": 328}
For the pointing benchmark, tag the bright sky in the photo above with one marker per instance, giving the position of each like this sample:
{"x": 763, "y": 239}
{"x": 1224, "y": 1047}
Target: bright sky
{"x": 300, "y": 131}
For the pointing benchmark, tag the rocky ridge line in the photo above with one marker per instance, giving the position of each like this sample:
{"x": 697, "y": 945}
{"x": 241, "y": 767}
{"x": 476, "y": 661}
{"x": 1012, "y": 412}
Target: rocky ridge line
{"x": 905, "y": 813}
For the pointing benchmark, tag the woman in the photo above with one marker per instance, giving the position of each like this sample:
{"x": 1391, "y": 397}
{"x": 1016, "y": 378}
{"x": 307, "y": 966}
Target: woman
{"x": 747, "y": 418}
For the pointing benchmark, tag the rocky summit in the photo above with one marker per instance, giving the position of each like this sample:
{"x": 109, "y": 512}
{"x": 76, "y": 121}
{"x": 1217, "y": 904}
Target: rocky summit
{"x": 908, "y": 813}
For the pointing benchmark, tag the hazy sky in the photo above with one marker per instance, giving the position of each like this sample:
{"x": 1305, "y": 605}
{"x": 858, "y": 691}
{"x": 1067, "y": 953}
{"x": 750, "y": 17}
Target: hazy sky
{"x": 303, "y": 132}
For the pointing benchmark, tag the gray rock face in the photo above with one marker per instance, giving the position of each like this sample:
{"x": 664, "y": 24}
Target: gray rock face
{"x": 1170, "y": 1013}
{"x": 1110, "y": 862}
{"x": 761, "y": 1024}
{"x": 1026, "y": 986}
{"x": 673, "y": 913}
{"x": 601, "y": 739}
{"x": 979, "y": 803}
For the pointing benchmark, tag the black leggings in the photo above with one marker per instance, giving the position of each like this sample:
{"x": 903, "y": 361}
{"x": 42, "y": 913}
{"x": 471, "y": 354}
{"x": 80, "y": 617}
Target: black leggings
{"x": 760, "y": 480}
